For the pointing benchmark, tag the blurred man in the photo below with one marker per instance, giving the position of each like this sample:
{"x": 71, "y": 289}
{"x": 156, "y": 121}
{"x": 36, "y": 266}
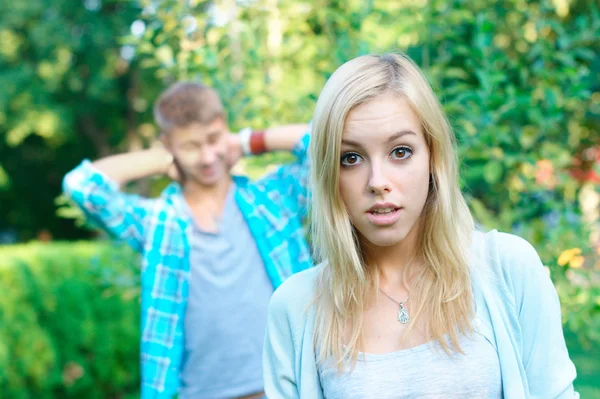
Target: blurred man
{"x": 214, "y": 246}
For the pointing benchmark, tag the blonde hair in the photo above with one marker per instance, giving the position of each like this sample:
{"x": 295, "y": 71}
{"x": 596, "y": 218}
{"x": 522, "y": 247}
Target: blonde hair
{"x": 441, "y": 289}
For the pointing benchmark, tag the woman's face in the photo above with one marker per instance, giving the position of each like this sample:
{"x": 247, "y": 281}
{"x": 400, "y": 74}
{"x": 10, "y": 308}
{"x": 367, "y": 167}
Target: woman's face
{"x": 384, "y": 170}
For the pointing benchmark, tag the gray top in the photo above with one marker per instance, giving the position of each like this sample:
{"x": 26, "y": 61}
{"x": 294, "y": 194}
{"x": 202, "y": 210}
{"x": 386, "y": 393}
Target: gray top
{"x": 229, "y": 293}
{"x": 424, "y": 371}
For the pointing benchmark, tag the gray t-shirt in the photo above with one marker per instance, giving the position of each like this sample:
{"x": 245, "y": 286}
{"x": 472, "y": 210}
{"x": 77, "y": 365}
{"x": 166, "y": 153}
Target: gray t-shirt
{"x": 229, "y": 293}
{"x": 424, "y": 371}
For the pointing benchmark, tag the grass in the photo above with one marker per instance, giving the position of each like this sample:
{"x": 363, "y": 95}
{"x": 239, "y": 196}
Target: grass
{"x": 587, "y": 362}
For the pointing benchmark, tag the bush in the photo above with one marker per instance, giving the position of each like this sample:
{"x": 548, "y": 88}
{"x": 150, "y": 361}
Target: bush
{"x": 69, "y": 321}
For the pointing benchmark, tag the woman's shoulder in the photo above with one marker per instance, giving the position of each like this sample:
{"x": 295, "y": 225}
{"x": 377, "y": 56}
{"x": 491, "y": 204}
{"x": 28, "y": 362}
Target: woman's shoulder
{"x": 510, "y": 258}
{"x": 510, "y": 249}
{"x": 508, "y": 246}
{"x": 294, "y": 296}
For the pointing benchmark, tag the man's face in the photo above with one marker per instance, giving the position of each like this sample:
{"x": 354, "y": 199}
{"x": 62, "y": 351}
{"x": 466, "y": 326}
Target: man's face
{"x": 201, "y": 151}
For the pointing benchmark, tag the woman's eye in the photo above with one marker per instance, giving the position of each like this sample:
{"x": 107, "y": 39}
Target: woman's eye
{"x": 350, "y": 159}
{"x": 402, "y": 152}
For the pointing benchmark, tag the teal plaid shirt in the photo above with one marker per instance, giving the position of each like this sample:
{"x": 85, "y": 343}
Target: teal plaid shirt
{"x": 273, "y": 207}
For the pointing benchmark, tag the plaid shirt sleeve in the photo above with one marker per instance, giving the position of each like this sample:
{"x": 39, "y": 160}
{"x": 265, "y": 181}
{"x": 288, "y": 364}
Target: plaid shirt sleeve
{"x": 122, "y": 215}
{"x": 292, "y": 179}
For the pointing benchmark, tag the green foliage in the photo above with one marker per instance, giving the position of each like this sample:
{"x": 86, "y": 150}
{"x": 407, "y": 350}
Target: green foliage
{"x": 69, "y": 321}
{"x": 64, "y": 97}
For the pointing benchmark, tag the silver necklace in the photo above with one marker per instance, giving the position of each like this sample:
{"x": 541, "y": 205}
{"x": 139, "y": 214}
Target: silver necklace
{"x": 403, "y": 316}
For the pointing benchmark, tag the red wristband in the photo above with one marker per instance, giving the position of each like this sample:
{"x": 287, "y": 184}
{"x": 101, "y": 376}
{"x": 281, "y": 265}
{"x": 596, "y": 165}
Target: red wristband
{"x": 257, "y": 142}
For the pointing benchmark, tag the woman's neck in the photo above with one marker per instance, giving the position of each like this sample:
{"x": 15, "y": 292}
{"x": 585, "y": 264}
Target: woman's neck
{"x": 392, "y": 261}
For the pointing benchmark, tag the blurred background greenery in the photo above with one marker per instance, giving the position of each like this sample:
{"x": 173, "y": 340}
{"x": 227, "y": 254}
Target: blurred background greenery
{"x": 520, "y": 81}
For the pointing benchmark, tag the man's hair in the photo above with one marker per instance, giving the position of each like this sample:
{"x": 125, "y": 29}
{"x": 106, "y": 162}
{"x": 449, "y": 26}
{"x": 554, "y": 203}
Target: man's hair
{"x": 185, "y": 103}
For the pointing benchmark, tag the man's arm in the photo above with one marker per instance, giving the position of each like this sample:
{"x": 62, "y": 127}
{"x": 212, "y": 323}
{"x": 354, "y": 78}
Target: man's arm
{"x": 280, "y": 138}
{"x": 123, "y": 168}
{"x": 290, "y": 179}
{"x": 95, "y": 188}
{"x": 284, "y": 138}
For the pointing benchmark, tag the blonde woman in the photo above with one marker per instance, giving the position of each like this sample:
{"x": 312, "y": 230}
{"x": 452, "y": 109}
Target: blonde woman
{"x": 409, "y": 300}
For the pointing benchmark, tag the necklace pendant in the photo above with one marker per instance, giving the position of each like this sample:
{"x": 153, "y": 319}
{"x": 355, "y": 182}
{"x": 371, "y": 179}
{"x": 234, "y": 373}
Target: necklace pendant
{"x": 403, "y": 315}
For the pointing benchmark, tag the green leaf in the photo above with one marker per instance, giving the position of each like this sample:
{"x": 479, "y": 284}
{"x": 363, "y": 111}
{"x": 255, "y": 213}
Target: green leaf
{"x": 492, "y": 172}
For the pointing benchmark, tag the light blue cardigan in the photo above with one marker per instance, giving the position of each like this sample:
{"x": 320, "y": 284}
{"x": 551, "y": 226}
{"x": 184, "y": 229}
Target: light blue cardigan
{"x": 517, "y": 310}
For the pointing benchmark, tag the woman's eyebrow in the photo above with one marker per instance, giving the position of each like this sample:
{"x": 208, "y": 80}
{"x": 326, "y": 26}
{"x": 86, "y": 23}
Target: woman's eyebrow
{"x": 399, "y": 134}
{"x": 393, "y": 136}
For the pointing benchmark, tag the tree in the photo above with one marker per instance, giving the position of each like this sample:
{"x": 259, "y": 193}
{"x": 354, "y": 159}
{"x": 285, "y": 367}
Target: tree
{"x": 67, "y": 94}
